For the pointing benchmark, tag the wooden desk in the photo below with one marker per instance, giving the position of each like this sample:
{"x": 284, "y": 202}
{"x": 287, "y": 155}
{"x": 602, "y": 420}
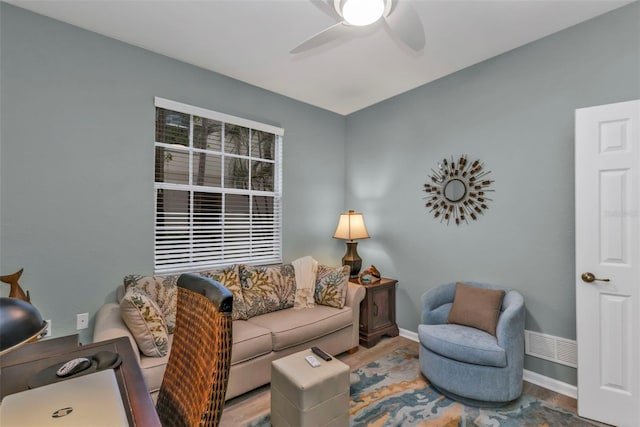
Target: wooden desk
{"x": 16, "y": 372}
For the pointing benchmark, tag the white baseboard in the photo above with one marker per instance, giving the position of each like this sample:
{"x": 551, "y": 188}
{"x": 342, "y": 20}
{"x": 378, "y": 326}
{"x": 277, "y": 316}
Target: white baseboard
{"x": 413, "y": 336}
{"x": 550, "y": 384}
{"x": 529, "y": 376}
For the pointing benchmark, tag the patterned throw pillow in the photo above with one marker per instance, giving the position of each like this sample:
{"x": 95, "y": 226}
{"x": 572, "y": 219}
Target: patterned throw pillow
{"x": 162, "y": 289}
{"x": 145, "y": 321}
{"x": 267, "y": 288}
{"x": 331, "y": 285}
{"x": 230, "y": 278}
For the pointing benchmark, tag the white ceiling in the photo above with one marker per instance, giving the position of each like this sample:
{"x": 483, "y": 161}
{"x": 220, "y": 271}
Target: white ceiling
{"x": 250, "y": 40}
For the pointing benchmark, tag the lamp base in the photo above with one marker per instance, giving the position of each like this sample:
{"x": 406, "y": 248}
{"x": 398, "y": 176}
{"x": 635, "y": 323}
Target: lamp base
{"x": 352, "y": 259}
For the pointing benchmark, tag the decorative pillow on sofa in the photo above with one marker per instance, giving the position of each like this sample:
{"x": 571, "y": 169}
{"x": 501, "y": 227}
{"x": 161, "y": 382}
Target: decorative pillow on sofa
{"x": 476, "y": 307}
{"x": 162, "y": 289}
{"x": 145, "y": 321}
{"x": 267, "y": 288}
{"x": 331, "y": 285}
{"x": 230, "y": 278}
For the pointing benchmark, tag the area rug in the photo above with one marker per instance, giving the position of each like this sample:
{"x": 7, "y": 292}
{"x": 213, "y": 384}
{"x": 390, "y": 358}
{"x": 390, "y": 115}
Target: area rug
{"x": 392, "y": 392}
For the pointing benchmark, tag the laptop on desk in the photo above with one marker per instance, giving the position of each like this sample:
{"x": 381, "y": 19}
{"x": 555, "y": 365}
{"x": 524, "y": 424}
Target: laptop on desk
{"x": 89, "y": 400}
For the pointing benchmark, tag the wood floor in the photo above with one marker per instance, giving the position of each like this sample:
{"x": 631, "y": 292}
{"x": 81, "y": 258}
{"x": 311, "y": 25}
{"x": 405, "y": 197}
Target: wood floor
{"x": 254, "y": 404}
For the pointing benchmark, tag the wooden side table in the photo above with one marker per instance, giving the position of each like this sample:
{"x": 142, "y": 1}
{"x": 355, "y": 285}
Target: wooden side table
{"x": 378, "y": 312}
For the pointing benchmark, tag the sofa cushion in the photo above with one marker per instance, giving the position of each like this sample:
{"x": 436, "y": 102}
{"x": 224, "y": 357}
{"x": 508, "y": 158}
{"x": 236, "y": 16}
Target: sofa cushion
{"x": 249, "y": 341}
{"x": 331, "y": 285}
{"x": 230, "y": 278}
{"x": 476, "y": 307}
{"x": 146, "y": 322}
{"x": 463, "y": 343}
{"x": 267, "y": 288}
{"x": 293, "y": 327}
{"x": 162, "y": 289}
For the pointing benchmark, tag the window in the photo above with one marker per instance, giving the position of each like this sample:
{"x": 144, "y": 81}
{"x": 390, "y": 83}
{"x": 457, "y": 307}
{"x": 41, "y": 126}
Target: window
{"x": 218, "y": 189}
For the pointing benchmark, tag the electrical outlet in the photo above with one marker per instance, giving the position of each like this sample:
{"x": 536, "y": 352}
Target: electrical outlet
{"x": 47, "y": 332}
{"x": 82, "y": 321}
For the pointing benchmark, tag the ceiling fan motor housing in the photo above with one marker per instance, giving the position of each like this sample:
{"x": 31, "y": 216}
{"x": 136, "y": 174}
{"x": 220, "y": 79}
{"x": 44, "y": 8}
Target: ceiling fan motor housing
{"x": 398, "y": 15}
{"x": 339, "y": 6}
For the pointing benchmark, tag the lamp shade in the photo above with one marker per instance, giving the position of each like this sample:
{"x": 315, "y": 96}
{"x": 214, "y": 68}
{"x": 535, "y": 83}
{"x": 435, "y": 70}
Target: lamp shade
{"x": 19, "y": 323}
{"x": 351, "y": 226}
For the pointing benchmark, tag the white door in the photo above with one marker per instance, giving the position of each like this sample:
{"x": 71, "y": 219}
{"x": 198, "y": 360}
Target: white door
{"x": 607, "y": 165}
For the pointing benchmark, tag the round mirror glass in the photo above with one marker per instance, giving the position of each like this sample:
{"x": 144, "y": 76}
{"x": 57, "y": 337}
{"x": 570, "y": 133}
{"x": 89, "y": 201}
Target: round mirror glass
{"x": 455, "y": 190}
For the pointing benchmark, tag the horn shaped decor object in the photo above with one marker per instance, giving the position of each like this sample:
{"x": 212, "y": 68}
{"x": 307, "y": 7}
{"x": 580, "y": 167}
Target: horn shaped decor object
{"x": 16, "y": 291}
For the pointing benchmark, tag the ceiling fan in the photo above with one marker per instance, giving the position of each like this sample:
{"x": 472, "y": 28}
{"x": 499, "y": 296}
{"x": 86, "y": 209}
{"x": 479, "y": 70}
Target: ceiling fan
{"x": 352, "y": 15}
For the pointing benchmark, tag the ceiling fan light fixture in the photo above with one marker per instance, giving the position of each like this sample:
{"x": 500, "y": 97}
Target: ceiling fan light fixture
{"x": 362, "y": 12}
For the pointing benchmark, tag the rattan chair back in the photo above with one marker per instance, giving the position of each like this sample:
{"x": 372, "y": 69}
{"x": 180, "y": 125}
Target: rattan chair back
{"x": 195, "y": 381}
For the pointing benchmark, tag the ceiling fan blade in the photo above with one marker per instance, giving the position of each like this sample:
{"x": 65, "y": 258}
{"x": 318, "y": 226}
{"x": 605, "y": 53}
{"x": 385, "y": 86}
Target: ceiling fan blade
{"x": 325, "y": 36}
{"x": 405, "y": 23}
{"x": 327, "y": 8}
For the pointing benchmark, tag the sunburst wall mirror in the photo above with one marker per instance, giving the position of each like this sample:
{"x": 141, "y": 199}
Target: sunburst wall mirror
{"x": 457, "y": 190}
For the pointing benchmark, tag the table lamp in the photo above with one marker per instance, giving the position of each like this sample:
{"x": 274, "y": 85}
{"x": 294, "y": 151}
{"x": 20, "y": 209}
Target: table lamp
{"x": 351, "y": 227}
{"x": 20, "y": 322}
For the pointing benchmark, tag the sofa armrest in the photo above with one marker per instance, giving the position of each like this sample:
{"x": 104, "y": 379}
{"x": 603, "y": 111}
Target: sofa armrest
{"x": 355, "y": 295}
{"x": 109, "y": 325}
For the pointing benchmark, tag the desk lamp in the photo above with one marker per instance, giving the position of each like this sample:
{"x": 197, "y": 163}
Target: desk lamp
{"x": 351, "y": 227}
{"x": 20, "y": 322}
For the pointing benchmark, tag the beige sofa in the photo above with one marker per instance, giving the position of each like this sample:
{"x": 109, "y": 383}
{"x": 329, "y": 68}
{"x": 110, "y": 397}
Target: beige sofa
{"x": 258, "y": 340}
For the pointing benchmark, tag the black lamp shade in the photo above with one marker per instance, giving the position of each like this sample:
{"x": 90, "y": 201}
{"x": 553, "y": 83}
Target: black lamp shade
{"x": 19, "y": 323}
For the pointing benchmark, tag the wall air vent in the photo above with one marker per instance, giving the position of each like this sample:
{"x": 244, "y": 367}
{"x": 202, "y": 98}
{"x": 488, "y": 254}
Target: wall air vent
{"x": 549, "y": 347}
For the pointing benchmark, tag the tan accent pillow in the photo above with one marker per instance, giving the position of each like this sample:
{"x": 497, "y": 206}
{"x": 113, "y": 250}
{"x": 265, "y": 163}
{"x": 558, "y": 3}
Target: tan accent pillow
{"x": 145, "y": 321}
{"x": 331, "y": 285}
{"x": 476, "y": 307}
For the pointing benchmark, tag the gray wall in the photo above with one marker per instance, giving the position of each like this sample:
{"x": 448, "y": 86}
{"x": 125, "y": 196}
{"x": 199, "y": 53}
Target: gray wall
{"x": 76, "y": 165}
{"x": 515, "y": 112}
{"x": 77, "y": 158}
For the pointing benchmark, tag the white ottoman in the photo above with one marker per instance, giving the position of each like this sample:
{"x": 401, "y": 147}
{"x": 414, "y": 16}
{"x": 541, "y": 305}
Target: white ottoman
{"x": 302, "y": 396}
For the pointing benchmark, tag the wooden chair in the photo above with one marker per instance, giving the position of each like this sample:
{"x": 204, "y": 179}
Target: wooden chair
{"x": 195, "y": 382}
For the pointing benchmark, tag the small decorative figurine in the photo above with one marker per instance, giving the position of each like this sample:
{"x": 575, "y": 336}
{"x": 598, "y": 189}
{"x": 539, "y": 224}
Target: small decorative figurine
{"x": 370, "y": 275}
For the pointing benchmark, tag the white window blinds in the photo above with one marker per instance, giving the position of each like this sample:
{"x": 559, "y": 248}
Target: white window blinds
{"x": 218, "y": 189}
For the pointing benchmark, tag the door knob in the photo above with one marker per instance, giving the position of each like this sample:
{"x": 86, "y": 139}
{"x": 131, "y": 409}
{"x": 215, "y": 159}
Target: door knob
{"x": 589, "y": 277}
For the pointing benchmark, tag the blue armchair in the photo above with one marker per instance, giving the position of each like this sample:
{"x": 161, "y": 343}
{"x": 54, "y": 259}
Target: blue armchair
{"x": 468, "y": 364}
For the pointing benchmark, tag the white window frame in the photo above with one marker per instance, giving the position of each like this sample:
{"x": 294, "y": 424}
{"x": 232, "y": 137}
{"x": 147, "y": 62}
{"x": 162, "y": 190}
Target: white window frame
{"x": 183, "y": 261}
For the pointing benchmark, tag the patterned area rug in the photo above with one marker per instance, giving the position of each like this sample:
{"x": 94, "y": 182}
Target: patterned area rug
{"x": 392, "y": 392}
